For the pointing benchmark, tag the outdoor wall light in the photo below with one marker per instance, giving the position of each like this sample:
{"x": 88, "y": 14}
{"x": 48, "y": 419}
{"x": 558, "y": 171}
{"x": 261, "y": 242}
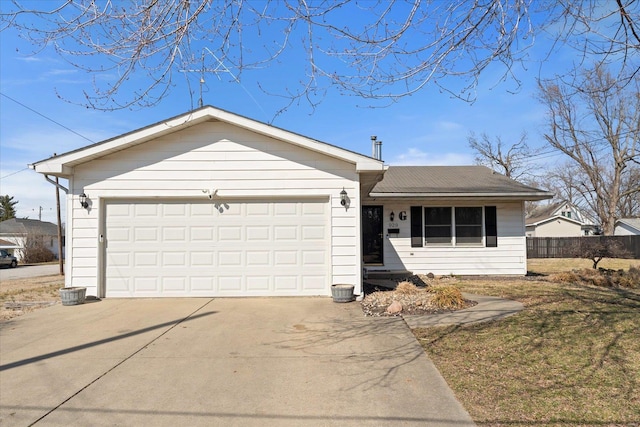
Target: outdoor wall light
{"x": 343, "y": 197}
{"x": 392, "y": 216}
{"x": 83, "y": 201}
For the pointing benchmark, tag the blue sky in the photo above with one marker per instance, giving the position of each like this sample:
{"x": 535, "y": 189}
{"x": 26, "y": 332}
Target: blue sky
{"x": 428, "y": 128}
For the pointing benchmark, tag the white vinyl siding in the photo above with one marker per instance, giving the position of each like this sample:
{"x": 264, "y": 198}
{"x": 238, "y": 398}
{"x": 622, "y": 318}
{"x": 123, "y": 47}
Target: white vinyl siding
{"x": 214, "y": 157}
{"x": 556, "y": 227}
{"x": 509, "y": 257}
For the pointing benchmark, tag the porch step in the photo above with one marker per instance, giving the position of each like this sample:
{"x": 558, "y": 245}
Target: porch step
{"x": 387, "y": 274}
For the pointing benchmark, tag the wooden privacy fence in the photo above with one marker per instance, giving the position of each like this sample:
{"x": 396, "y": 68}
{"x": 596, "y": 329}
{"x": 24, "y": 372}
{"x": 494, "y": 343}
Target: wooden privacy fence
{"x": 564, "y": 247}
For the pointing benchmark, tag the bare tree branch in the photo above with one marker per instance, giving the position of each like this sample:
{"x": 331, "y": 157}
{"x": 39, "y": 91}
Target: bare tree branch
{"x": 393, "y": 49}
{"x": 594, "y": 122}
{"x": 509, "y": 160}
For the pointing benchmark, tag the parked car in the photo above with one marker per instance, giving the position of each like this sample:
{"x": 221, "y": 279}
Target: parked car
{"x": 7, "y": 259}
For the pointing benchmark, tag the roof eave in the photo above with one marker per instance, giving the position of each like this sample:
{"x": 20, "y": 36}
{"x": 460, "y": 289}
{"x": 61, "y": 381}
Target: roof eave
{"x": 504, "y": 196}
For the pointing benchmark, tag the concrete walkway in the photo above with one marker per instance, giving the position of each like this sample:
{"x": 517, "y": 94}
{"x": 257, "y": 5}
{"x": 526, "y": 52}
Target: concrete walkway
{"x": 232, "y": 362}
{"x": 487, "y": 309}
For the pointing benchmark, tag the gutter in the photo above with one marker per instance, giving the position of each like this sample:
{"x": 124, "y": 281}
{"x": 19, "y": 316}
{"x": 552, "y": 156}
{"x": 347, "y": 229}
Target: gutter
{"x": 472, "y": 195}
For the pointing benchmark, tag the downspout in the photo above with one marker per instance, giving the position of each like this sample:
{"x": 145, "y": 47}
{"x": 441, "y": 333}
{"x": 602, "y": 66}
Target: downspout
{"x": 57, "y": 184}
{"x": 66, "y": 190}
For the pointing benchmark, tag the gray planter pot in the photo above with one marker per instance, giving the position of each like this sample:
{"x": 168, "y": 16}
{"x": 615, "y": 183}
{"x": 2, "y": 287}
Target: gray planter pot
{"x": 342, "y": 293}
{"x": 73, "y": 296}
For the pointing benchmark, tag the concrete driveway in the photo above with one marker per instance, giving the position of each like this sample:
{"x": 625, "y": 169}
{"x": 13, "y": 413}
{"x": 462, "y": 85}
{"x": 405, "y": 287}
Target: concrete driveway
{"x": 232, "y": 362}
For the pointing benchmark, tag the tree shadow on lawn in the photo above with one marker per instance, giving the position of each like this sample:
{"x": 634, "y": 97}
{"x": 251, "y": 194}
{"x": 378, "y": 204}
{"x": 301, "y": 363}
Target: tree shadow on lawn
{"x": 574, "y": 350}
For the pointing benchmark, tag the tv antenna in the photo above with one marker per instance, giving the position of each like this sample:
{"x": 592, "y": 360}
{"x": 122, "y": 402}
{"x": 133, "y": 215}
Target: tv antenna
{"x": 217, "y": 69}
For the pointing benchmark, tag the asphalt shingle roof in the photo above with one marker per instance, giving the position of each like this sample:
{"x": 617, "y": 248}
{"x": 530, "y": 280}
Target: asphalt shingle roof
{"x": 28, "y": 226}
{"x": 450, "y": 180}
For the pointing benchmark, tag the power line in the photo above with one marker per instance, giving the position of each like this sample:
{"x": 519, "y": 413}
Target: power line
{"x": 45, "y": 117}
{"x": 13, "y": 173}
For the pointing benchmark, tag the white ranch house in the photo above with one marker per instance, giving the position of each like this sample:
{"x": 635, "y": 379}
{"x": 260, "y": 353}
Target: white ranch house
{"x": 210, "y": 203}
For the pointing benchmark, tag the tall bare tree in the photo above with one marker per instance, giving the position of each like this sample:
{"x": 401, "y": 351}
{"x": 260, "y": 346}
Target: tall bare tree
{"x": 508, "y": 159}
{"x": 135, "y": 49}
{"x": 594, "y": 122}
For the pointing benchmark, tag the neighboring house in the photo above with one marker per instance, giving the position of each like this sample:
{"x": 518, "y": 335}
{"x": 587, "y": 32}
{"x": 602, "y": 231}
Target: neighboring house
{"x": 561, "y": 219}
{"x": 19, "y": 231}
{"x": 9, "y": 246}
{"x": 627, "y": 227}
{"x": 210, "y": 203}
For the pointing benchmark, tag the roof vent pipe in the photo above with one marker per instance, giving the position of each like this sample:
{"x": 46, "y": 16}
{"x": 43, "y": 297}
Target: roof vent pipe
{"x": 376, "y": 148}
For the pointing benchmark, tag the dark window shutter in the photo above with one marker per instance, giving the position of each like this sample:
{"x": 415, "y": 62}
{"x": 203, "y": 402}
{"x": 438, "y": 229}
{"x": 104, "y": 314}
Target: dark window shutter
{"x": 491, "y": 226}
{"x": 416, "y": 226}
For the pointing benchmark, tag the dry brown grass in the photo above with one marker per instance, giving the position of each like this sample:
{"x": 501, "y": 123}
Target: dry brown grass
{"x": 571, "y": 357}
{"x": 19, "y": 296}
{"x": 557, "y": 265}
{"x": 406, "y": 288}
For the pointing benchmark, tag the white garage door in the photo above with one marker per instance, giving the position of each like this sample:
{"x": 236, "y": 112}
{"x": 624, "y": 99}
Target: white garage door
{"x": 169, "y": 249}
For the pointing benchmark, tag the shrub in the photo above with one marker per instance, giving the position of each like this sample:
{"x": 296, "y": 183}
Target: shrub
{"x": 447, "y": 297}
{"x": 598, "y": 247}
{"x": 601, "y": 278}
{"x": 406, "y": 288}
{"x": 36, "y": 254}
{"x": 564, "y": 277}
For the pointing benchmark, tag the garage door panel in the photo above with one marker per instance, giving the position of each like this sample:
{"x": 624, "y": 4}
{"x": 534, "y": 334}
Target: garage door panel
{"x": 177, "y": 259}
{"x": 258, "y": 258}
{"x": 217, "y": 249}
{"x": 148, "y": 284}
{"x": 146, "y": 234}
{"x": 202, "y": 259}
{"x": 313, "y": 283}
{"x": 170, "y": 210}
{"x": 284, "y": 233}
{"x": 230, "y": 233}
{"x": 174, "y": 284}
{"x": 174, "y": 234}
{"x": 146, "y": 210}
{"x": 119, "y": 234}
{"x": 313, "y": 232}
{"x": 258, "y": 283}
{"x": 229, "y": 284}
{"x": 285, "y": 283}
{"x": 204, "y": 285}
{"x": 258, "y": 233}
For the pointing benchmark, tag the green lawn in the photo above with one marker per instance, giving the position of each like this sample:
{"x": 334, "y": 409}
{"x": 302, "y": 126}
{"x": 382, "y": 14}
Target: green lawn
{"x": 572, "y": 357}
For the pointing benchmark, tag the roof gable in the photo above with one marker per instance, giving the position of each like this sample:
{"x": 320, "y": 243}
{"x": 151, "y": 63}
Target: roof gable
{"x": 535, "y": 222}
{"x": 452, "y": 181}
{"x": 63, "y": 164}
{"x": 630, "y": 222}
{"x": 554, "y": 210}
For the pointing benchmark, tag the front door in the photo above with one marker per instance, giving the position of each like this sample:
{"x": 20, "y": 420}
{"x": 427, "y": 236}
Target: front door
{"x": 372, "y": 235}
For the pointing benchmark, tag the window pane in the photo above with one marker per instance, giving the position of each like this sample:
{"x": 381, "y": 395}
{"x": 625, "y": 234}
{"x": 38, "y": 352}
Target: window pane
{"x": 437, "y": 225}
{"x": 468, "y": 216}
{"x": 467, "y": 234}
{"x": 468, "y": 226}
{"x": 437, "y": 216}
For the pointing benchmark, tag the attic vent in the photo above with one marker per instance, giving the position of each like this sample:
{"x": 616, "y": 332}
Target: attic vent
{"x": 376, "y": 148}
